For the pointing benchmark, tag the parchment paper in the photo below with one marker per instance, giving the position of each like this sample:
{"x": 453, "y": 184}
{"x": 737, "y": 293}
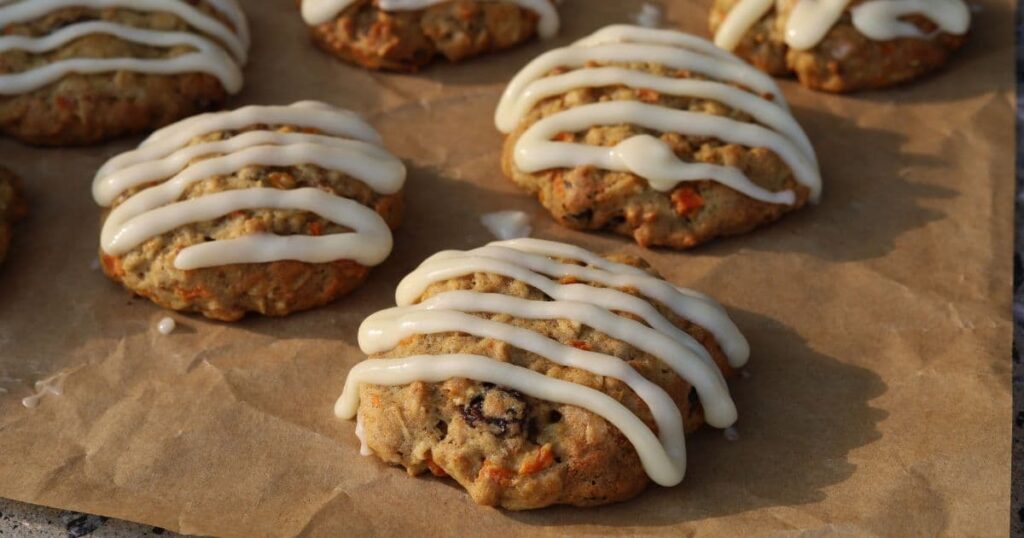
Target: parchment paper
{"x": 879, "y": 400}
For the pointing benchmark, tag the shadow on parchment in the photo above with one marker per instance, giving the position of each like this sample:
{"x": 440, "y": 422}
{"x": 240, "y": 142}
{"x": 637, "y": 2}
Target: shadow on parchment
{"x": 801, "y": 413}
{"x": 866, "y": 195}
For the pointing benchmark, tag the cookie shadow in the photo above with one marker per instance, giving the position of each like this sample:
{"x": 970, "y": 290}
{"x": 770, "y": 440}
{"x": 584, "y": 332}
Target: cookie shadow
{"x": 801, "y": 414}
{"x": 869, "y": 198}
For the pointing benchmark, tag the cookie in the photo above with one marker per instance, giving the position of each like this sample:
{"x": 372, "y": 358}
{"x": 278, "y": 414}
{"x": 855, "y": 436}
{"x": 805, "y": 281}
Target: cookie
{"x": 12, "y": 208}
{"x": 656, "y": 135}
{"x": 404, "y": 35}
{"x": 78, "y": 72}
{"x": 843, "y": 45}
{"x": 537, "y": 373}
{"x": 268, "y": 209}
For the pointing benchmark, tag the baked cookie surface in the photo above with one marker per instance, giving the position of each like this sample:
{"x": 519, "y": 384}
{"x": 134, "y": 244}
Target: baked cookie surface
{"x": 401, "y": 35}
{"x": 12, "y": 208}
{"x": 845, "y": 45}
{"x": 656, "y": 135}
{"x": 267, "y": 209}
{"x": 536, "y": 373}
{"x": 83, "y": 71}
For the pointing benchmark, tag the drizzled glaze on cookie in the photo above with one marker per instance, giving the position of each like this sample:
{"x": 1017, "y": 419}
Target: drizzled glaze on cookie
{"x": 316, "y": 12}
{"x": 213, "y": 47}
{"x": 592, "y": 298}
{"x": 596, "y": 61}
{"x": 810, "y": 20}
{"x": 324, "y": 136}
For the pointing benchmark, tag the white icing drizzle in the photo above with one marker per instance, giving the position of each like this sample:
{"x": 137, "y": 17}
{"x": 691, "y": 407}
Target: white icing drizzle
{"x": 644, "y": 155}
{"x": 585, "y": 304}
{"x": 53, "y": 385}
{"x": 316, "y": 12}
{"x": 507, "y": 224}
{"x": 650, "y": 16}
{"x": 518, "y": 259}
{"x": 166, "y": 159}
{"x": 664, "y": 468}
{"x": 221, "y": 54}
{"x": 810, "y": 20}
{"x": 364, "y": 449}
{"x": 166, "y": 326}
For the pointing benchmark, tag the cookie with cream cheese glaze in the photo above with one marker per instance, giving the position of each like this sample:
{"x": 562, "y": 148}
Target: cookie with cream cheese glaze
{"x": 78, "y": 72}
{"x": 843, "y": 45}
{"x": 657, "y": 135}
{"x": 265, "y": 209}
{"x": 537, "y": 373}
{"x": 404, "y": 35}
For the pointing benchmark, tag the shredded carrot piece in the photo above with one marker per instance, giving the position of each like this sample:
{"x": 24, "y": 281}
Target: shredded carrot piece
{"x": 496, "y": 473}
{"x": 315, "y": 228}
{"x": 542, "y": 460}
{"x": 193, "y": 293}
{"x": 648, "y": 96}
{"x": 435, "y": 469}
{"x": 578, "y": 344}
{"x": 112, "y": 265}
{"x": 686, "y": 201}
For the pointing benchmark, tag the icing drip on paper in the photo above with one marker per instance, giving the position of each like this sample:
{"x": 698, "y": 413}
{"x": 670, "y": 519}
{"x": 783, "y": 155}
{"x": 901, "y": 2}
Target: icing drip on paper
{"x": 647, "y": 156}
{"x": 810, "y": 20}
{"x": 215, "y": 48}
{"x": 344, "y": 143}
{"x": 51, "y": 386}
{"x": 592, "y": 300}
{"x": 507, "y": 224}
{"x": 316, "y": 12}
{"x": 166, "y": 326}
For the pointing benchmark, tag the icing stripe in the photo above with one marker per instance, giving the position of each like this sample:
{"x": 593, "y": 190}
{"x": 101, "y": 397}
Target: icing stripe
{"x": 538, "y": 271}
{"x": 34, "y": 9}
{"x": 765, "y": 112}
{"x": 810, "y": 21}
{"x": 665, "y": 468}
{"x": 379, "y": 170}
{"x": 317, "y": 12}
{"x": 674, "y": 57}
{"x": 208, "y": 57}
{"x": 114, "y": 183}
{"x": 171, "y": 165}
{"x": 652, "y": 158}
{"x": 553, "y": 249}
{"x": 222, "y": 58}
{"x": 446, "y": 313}
{"x": 644, "y": 155}
{"x": 369, "y": 245}
{"x": 741, "y": 18}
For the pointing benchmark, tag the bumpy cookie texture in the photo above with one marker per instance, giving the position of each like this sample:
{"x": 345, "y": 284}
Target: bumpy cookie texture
{"x": 688, "y": 211}
{"x": 222, "y": 287}
{"x": 12, "y": 208}
{"x": 508, "y": 448}
{"x": 844, "y": 60}
{"x": 407, "y": 40}
{"x": 113, "y": 77}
